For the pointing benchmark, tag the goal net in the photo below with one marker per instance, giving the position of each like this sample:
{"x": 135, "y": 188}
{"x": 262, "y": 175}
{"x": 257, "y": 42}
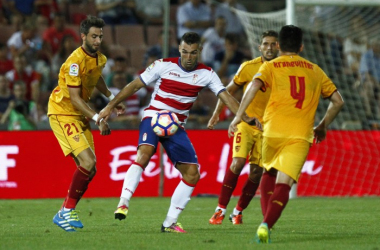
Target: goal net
{"x": 336, "y": 35}
{"x": 342, "y": 37}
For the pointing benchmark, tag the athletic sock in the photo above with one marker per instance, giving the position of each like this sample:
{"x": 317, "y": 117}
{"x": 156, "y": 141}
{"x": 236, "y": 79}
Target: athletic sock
{"x": 248, "y": 192}
{"x": 267, "y": 184}
{"x": 229, "y": 184}
{"x": 277, "y": 203}
{"x": 221, "y": 209}
{"x": 180, "y": 198}
{"x": 77, "y": 188}
{"x": 131, "y": 180}
{"x": 236, "y": 211}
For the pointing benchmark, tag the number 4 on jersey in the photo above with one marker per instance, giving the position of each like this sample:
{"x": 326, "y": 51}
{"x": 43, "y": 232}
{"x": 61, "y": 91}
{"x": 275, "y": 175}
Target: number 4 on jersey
{"x": 300, "y": 94}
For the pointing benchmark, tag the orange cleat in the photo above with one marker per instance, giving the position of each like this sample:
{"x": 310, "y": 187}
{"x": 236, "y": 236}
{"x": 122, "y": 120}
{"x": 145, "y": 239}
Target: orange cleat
{"x": 217, "y": 218}
{"x": 236, "y": 219}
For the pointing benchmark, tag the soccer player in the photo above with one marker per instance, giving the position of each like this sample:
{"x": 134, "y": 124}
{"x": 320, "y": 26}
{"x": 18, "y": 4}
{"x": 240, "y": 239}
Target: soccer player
{"x": 247, "y": 139}
{"x": 69, "y": 112}
{"x": 296, "y": 85}
{"x": 177, "y": 84}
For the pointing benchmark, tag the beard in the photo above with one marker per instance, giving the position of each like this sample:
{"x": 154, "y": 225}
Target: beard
{"x": 89, "y": 48}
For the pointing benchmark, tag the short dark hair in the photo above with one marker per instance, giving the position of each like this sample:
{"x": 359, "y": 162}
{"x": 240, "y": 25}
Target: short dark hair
{"x": 268, "y": 33}
{"x": 290, "y": 38}
{"x": 91, "y": 21}
{"x": 191, "y": 37}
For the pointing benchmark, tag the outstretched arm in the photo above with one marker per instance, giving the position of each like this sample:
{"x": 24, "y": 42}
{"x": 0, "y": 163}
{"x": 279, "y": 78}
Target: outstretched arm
{"x": 102, "y": 87}
{"x": 336, "y": 104}
{"x": 248, "y": 96}
{"x": 231, "y": 88}
{"x": 126, "y": 92}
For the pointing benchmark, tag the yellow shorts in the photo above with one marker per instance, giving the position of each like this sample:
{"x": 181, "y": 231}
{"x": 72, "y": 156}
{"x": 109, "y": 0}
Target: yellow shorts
{"x": 72, "y": 132}
{"x": 285, "y": 154}
{"x": 247, "y": 142}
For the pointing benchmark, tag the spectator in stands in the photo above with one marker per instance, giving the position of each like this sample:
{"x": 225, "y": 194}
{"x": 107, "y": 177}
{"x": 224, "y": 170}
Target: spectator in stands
{"x": 213, "y": 41}
{"x": 150, "y": 11}
{"x": 24, "y": 72}
{"x": 21, "y": 113}
{"x": 228, "y": 61}
{"x": 193, "y": 16}
{"x": 5, "y": 94}
{"x": 25, "y": 42}
{"x": 120, "y": 66}
{"x": 54, "y": 34}
{"x": 234, "y": 26}
{"x": 155, "y": 51}
{"x": 22, "y": 7}
{"x": 46, "y": 8}
{"x": 5, "y": 63}
{"x": 117, "y": 11}
{"x": 370, "y": 79}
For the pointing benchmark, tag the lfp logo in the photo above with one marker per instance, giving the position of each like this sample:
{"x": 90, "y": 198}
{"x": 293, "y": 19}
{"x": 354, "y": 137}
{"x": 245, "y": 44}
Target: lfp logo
{"x": 6, "y": 163}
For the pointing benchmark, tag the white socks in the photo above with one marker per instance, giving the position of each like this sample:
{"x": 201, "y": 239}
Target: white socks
{"x": 236, "y": 212}
{"x": 223, "y": 210}
{"x": 131, "y": 180}
{"x": 180, "y": 198}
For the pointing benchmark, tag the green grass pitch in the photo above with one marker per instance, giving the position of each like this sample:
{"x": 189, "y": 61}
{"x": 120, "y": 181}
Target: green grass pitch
{"x": 306, "y": 223}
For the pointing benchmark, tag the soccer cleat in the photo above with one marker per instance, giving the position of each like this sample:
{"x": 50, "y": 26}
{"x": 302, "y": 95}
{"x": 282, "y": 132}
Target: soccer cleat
{"x": 217, "y": 218}
{"x": 62, "y": 223}
{"x": 174, "y": 228}
{"x": 236, "y": 219}
{"x": 121, "y": 212}
{"x": 263, "y": 234}
{"x": 71, "y": 216}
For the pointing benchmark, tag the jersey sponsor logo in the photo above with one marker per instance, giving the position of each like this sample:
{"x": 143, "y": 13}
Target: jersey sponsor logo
{"x": 174, "y": 74}
{"x": 76, "y": 138}
{"x": 195, "y": 78}
{"x": 144, "y": 136}
{"x": 150, "y": 66}
{"x": 74, "y": 69}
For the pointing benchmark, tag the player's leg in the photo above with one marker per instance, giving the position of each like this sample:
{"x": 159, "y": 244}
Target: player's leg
{"x": 242, "y": 144}
{"x": 148, "y": 141}
{"x": 267, "y": 184}
{"x": 228, "y": 186}
{"x": 288, "y": 157}
{"x": 182, "y": 154}
{"x": 248, "y": 192}
{"x": 74, "y": 137}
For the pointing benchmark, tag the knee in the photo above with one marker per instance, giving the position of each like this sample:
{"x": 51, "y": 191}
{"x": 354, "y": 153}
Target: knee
{"x": 192, "y": 176}
{"x": 255, "y": 173}
{"x": 89, "y": 164}
{"x": 237, "y": 165}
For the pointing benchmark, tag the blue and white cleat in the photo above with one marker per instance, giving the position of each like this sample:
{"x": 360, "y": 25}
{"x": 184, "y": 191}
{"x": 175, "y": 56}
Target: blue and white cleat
{"x": 71, "y": 216}
{"x": 62, "y": 223}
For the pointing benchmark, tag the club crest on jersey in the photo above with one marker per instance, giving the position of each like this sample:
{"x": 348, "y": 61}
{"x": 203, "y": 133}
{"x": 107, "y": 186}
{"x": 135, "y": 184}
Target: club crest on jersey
{"x": 237, "y": 148}
{"x": 74, "y": 69}
{"x": 144, "y": 137}
{"x": 195, "y": 78}
{"x": 76, "y": 138}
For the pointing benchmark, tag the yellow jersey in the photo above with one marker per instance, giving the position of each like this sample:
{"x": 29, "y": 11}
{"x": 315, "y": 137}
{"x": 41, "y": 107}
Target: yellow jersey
{"x": 296, "y": 85}
{"x": 243, "y": 78}
{"x": 80, "y": 70}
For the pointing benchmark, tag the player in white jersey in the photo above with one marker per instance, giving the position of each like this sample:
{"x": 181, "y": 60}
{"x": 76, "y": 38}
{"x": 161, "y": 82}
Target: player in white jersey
{"x": 177, "y": 84}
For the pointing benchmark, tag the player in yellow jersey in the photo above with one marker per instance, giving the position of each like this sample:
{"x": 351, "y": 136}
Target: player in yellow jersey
{"x": 68, "y": 112}
{"x": 296, "y": 85}
{"x": 247, "y": 139}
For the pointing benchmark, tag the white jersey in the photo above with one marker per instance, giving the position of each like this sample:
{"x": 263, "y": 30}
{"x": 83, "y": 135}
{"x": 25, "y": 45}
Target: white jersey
{"x": 177, "y": 89}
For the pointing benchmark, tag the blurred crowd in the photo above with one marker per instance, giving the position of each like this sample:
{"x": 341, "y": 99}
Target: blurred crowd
{"x": 37, "y": 36}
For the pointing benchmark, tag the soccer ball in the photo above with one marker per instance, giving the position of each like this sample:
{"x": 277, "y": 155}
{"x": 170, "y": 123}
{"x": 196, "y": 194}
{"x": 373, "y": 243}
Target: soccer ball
{"x": 165, "y": 123}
